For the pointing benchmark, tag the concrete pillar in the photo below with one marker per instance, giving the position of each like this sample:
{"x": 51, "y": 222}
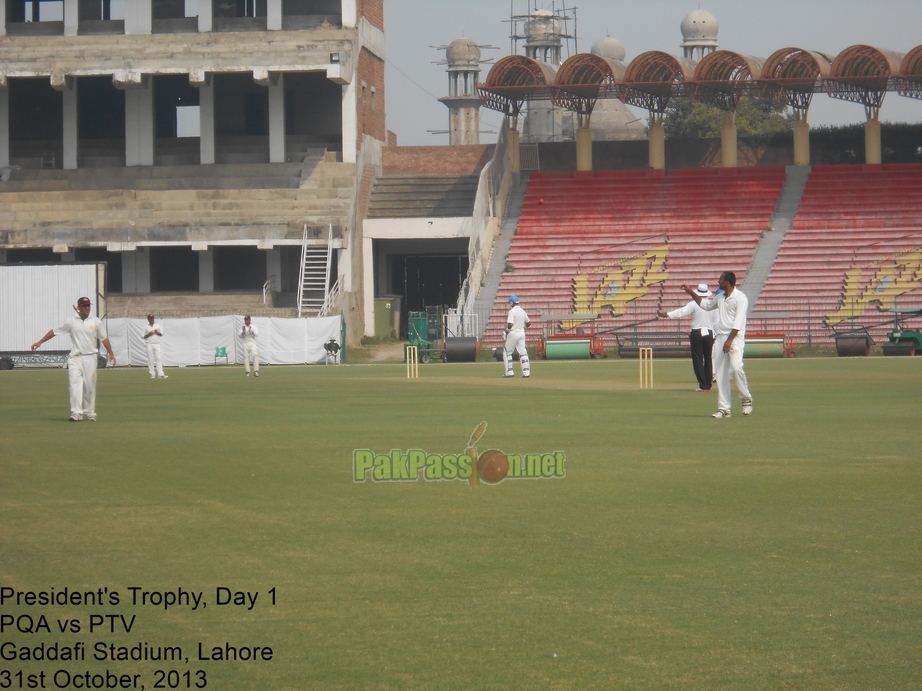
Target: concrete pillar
{"x": 584, "y": 146}
{"x": 801, "y": 139}
{"x": 136, "y": 271}
{"x": 728, "y": 148}
{"x": 274, "y": 268}
{"x": 277, "y": 119}
{"x": 139, "y": 126}
{"x": 368, "y": 285}
{"x": 204, "y": 15}
{"x": 350, "y": 17}
{"x": 350, "y": 123}
{"x": 71, "y": 15}
{"x": 138, "y": 16}
{"x": 872, "y": 153}
{"x": 4, "y": 127}
{"x": 274, "y": 15}
{"x": 70, "y": 125}
{"x": 206, "y": 123}
{"x": 657, "y": 142}
{"x": 512, "y": 145}
{"x": 206, "y": 271}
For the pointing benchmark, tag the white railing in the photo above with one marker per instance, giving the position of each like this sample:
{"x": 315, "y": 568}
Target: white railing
{"x": 330, "y": 299}
{"x": 303, "y": 264}
{"x": 267, "y": 289}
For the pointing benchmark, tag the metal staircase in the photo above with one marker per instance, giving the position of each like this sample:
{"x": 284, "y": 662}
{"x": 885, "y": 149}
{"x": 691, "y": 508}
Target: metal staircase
{"x": 315, "y": 275}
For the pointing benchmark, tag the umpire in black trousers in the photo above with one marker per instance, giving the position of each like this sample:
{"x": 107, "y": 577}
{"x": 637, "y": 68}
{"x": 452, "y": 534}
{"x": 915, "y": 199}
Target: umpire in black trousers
{"x": 701, "y": 336}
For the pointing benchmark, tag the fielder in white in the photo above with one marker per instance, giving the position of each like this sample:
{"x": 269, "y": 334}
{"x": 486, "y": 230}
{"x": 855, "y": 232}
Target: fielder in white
{"x": 153, "y": 337}
{"x": 516, "y": 323}
{"x": 249, "y": 335}
{"x": 731, "y": 305}
{"x": 84, "y": 332}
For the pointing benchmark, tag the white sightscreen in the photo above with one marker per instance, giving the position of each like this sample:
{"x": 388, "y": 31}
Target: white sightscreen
{"x": 36, "y": 298}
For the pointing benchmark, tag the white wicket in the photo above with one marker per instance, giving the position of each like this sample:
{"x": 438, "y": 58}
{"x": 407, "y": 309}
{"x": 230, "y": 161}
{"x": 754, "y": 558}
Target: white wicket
{"x": 412, "y": 362}
{"x": 645, "y": 357}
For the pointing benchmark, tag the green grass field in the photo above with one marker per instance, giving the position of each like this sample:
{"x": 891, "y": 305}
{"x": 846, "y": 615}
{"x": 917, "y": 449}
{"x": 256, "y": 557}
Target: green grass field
{"x": 780, "y": 550}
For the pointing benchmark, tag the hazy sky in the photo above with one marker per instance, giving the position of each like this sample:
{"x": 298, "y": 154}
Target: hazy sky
{"x": 753, "y": 27}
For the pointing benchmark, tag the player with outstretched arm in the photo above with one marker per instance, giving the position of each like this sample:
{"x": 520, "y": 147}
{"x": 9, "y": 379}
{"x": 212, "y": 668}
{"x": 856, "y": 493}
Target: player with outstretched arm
{"x": 84, "y": 332}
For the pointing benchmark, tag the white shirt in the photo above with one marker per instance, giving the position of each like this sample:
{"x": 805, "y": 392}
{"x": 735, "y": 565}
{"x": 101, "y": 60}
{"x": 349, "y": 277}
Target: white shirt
{"x": 731, "y": 312}
{"x": 250, "y": 334}
{"x": 84, "y": 334}
{"x": 155, "y": 337}
{"x": 702, "y": 320}
{"x": 517, "y": 318}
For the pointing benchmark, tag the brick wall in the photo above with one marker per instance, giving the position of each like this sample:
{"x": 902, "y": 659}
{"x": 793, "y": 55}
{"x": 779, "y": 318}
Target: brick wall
{"x": 373, "y": 11}
{"x": 370, "y": 95}
{"x": 436, "y": 160}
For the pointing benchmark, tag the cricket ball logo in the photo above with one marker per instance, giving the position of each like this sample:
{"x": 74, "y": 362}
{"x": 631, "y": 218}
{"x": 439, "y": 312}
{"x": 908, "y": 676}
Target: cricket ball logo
{"x": 492, "y": 466}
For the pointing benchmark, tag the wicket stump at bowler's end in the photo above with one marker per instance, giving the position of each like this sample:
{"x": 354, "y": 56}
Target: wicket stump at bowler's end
{"x": 645, "y": 357}
{"x": 412, "y": 353}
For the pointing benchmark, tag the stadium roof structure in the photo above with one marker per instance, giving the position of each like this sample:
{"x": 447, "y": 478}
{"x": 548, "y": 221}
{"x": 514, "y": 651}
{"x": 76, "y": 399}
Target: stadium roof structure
{"x": 583, "y": 78}
{"x": 909, "y": 82}
{"x": 513, "y": 80}
{"x": 791, "y": 75}
{"x": 722, "y": 78}
{"x": 652, "y": 78}
{"x": 862, "y": 74}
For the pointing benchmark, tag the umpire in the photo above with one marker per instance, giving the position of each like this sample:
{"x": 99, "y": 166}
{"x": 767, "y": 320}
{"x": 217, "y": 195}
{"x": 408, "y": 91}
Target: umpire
{"x": 701, "y": 337}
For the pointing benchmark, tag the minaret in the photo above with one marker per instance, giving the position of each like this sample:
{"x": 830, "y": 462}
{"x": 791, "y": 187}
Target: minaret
{"x": 463, "y": 101}
{"x": 699, "y": 31}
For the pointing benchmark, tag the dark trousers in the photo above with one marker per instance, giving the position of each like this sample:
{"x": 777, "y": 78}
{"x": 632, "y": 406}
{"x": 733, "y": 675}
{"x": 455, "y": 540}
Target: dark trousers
{"x": 701, "y": 347}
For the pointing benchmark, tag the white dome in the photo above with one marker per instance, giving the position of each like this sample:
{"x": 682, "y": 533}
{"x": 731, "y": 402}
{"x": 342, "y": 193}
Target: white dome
{"x": 700, "y": 25}
{"x": 462, "y": 52}
{"x": 608, "y": 47}
{"x": 542, "y": 26}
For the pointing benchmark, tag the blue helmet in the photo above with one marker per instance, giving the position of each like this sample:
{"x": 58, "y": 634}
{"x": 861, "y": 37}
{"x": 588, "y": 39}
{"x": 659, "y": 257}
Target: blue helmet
{"x": 514, "y": 299}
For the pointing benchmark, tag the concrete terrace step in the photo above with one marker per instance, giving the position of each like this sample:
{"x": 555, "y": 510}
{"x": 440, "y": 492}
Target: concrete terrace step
{"x": 178, "y": 305}
{"x": 418, "y": 197}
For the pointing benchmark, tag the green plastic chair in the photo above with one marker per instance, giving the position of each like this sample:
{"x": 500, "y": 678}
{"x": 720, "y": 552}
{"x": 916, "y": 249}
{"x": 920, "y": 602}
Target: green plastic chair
{"x": 219, "y": 353}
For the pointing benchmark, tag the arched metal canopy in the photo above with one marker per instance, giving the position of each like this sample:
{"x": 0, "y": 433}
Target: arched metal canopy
{"x": 584, "y": 78}
{"x": 909, "y": 82}
{"x": 792, "y": 75}
{"x": 513, "y": 80}
{"x": 652, "y": 78}
{"x": 722, "y": 77}
{"x": 861, "y": 74}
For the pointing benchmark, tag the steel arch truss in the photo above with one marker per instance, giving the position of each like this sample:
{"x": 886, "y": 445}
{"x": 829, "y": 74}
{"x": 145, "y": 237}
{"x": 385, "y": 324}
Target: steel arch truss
{"x": 861, "y": 74}
{"x": 909, "y": 82}
{"x": 723, "y": 77}
{"x": 583, "y": 79}
{"x": 513, "y": 80}
{"x": 792, "y": 75}
{"x": 654, "y": 77}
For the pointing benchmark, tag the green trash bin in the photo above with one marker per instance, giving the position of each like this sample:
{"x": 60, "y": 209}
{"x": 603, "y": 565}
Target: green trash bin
{"x": 386, "y": 309}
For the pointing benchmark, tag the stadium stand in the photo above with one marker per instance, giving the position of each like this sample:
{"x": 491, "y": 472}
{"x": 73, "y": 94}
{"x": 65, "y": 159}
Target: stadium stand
{"x": 620, "y": 243}
{"x": 853, "y": 252}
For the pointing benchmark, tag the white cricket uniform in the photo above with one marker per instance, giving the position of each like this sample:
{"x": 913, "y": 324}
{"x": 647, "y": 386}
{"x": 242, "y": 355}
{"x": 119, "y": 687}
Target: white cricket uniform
{"x": 249, "y": 337}
{"x": 515, "y": 340}
{"x": 154, "y": 350}
{"x": 81, "y": 364}
{"x": 731, "y": 314}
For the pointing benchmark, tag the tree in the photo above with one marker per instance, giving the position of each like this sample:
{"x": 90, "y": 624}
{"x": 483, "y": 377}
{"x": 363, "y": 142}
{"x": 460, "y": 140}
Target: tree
{"x": 687, "y": 119}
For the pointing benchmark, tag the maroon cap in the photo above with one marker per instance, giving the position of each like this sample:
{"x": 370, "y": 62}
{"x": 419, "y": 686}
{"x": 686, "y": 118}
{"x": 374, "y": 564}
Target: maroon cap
{"x": 84, "y": 301}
